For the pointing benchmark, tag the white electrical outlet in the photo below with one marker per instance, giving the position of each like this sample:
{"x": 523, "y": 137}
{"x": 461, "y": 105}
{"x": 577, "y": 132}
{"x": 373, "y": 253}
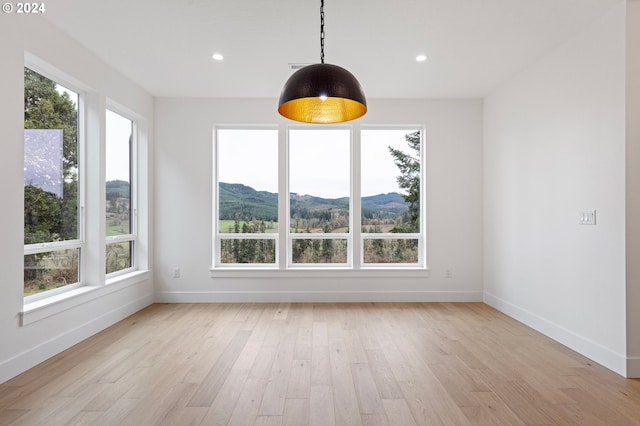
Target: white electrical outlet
{"x": 176, "y": 272}
{"x": 588, "y": 217}
{"x": 448, "y": 273}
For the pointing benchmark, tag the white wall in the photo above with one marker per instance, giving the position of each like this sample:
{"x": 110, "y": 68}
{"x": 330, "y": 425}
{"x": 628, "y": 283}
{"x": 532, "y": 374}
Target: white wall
{"x": 183, "y": 205}
{"x": 23, "y": 346}
{"x": 554, "y": 145}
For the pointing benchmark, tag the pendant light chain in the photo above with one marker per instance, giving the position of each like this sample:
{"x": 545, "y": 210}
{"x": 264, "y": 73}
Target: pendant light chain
{"x": 322, "y": 31}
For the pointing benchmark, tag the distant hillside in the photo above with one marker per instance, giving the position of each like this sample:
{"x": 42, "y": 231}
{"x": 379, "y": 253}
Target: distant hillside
{"x": 235, "y": 197}
{"x": 391, "y": 202}
{"x": 262, "y": 205}
{"x": 117, "y": 189}
{"x": 311, "y": 202}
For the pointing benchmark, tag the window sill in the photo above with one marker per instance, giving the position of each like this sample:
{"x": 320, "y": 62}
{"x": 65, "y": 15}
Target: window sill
{"x": 44, "y": 308}
{"x": 371, "y": 272}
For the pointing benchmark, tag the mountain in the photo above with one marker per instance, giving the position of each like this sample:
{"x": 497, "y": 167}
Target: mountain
{"x": 311, "y": 202}
{"x": 263, "y": 205}
{"x": 117, "y": 189}
{"x": 235, "y": 197}
{"x": 391, "y": 203}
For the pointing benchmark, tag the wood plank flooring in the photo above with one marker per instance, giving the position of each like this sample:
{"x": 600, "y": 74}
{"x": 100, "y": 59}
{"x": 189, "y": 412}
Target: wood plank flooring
{"x": 319, "y": 364}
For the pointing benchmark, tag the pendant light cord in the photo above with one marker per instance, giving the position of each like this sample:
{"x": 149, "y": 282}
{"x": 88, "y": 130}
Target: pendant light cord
{"x": 322, "y": 31}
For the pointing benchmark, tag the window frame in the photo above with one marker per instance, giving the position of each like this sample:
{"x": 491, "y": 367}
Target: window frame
{"x": 91, "y": 239}
{"x": 132, "y": 237}
{"x": 290, "y": 236}
{"x": 80, "y": 242}
{"x": 421, "y": 235}
{"x": 355, "y": 265}
{"x": 219, "y": 236}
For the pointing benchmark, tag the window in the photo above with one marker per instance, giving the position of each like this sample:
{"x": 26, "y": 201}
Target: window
{"x": 319, "y": 196}
{"x": 318, "y": 180}
{"x": 83, "y": 183}
{"x": 246, "y": 204}
{"x": 52, "y": 175}
{"x": 391, "y": 196}
{"x": 119, "y": 203}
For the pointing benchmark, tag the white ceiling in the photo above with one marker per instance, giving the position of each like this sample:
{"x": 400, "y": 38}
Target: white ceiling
{"x": 473, "y": 45}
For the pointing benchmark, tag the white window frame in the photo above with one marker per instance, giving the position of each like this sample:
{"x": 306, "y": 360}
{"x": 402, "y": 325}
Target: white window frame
{"x": 219, "y": 236}
{"x": 78, "y": 243}
{"x": 355, "y": 238}
{"x": 92, "y": 279}
{"x": 420, "y": 236}
{"x": 290, "y": 236}
{"x": 132, "y": 237}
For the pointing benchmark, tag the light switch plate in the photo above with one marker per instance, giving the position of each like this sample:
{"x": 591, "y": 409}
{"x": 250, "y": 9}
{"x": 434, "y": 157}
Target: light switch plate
{"x": 588, "y": 217}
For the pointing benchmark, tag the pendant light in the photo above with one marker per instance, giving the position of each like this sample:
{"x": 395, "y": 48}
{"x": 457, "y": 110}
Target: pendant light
{"x": 322, "y": 93}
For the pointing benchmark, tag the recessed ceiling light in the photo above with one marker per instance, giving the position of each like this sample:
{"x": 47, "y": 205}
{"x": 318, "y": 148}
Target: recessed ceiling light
{"x": 217, "y": 56}
{"x": 421, "y": 58}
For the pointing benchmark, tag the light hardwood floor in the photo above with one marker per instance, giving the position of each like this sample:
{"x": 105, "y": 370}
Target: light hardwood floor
{"x": 319, "y": 364}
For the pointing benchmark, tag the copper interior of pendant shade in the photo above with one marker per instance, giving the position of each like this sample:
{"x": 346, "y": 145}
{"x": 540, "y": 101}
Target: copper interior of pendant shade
{"x": 322, "y": 93}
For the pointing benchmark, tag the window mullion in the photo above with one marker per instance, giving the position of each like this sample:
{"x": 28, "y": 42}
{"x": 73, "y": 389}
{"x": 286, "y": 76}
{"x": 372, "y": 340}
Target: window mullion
{"x": 356, "y": 201}
{"x": 93, "y": 190}
{"x": 284, "y": 229}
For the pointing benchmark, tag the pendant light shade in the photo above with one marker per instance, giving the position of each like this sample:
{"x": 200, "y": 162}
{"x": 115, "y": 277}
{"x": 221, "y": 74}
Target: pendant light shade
{"x": 322, "y": 93}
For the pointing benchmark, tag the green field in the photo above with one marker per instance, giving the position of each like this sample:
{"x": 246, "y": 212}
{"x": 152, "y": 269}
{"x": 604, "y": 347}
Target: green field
{"x": 116, "y": 226}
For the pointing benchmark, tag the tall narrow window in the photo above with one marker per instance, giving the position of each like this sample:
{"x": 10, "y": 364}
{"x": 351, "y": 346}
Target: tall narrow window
{"x": 119, "y": 218}
{"x": 52, "y": 225}
{"x": 319, "y": 196}
{"x": 247, "y": 196}
{"x": 391, "y": 188}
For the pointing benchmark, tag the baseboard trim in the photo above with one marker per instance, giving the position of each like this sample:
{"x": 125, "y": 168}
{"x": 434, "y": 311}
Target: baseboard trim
{"x": 34, "y": 356}
{"x": 316, "y": 296}
{"x": 592, "y": 350}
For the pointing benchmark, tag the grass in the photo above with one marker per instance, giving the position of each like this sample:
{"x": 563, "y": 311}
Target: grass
{"x": 117, "y": 227}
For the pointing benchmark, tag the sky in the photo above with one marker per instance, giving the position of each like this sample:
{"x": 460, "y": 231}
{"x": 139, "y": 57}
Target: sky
{"x": 319, "y": 160}
{"x": 118, "y": 133}
{"x": 378, "y": 170}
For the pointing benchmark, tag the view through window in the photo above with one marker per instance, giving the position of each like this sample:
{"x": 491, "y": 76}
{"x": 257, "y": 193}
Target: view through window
{"x": 119, "y": 203}
{"x": 319, "y": 195}
{"x": 391, "y": 194}
{"x": 52, "y": 245}
{"x": 247, "y": 188}
{"x": 321, "y": 217}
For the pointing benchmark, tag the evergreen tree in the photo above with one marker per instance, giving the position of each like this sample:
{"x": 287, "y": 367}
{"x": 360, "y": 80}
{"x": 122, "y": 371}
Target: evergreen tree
{"x": 409, "y": 180}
